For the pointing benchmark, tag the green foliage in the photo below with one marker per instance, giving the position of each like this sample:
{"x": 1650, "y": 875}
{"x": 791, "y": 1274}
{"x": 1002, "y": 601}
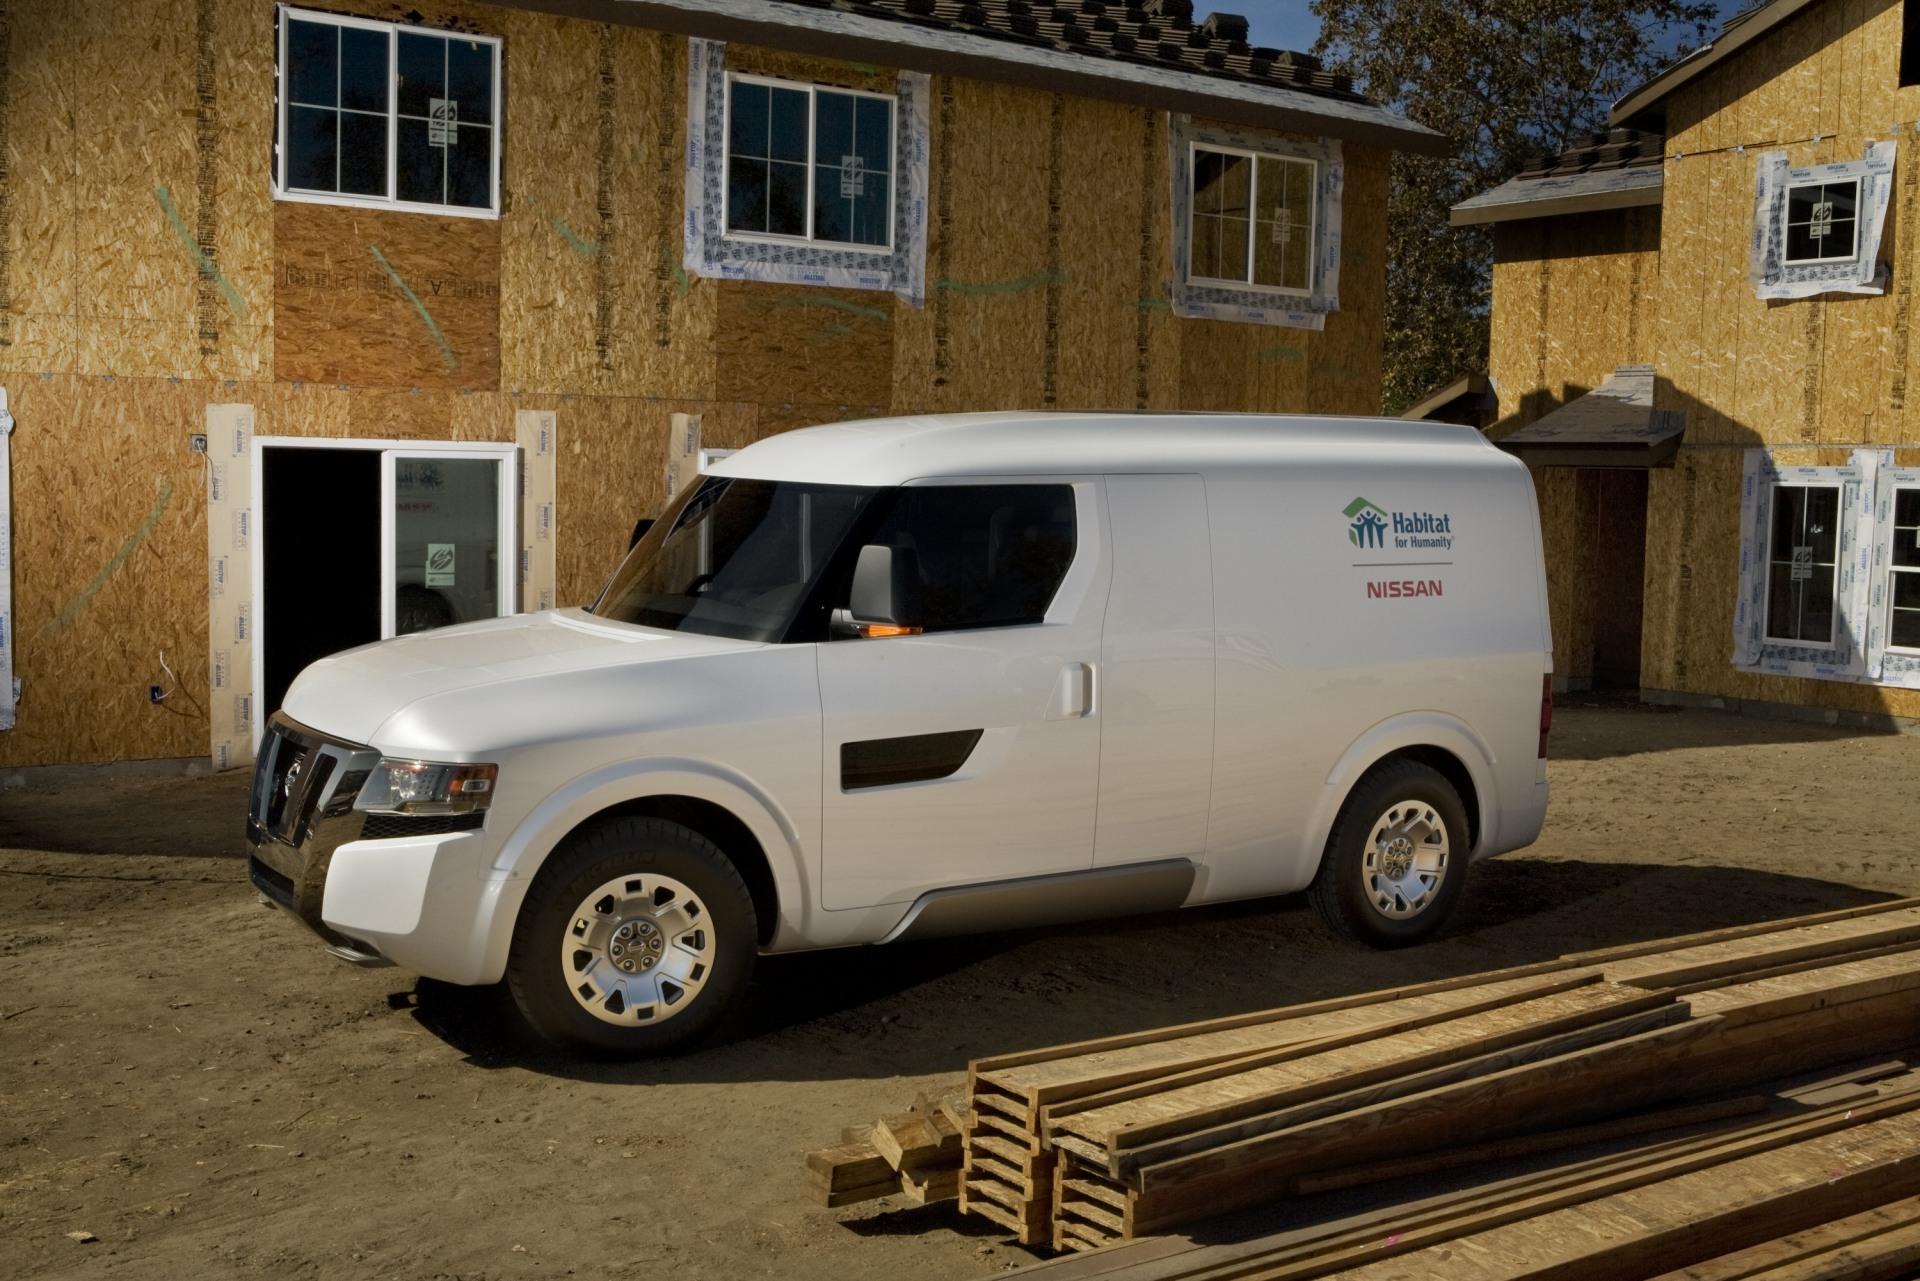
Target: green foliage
{"x": 1505, "y": 81}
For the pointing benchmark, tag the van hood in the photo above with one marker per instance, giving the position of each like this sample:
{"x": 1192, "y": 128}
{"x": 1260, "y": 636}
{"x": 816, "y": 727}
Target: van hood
{"x": 350, "y": 695}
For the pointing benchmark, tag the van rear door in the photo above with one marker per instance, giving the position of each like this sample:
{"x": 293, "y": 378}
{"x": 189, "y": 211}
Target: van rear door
{"x": 968, "y": 751}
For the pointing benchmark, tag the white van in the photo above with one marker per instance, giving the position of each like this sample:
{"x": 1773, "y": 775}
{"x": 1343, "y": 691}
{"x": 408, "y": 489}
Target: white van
{"x": 892, "y": 679}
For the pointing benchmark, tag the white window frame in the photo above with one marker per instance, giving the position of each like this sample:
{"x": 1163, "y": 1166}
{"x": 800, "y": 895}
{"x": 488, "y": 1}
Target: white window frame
{"x": 1890, "y": 569}
{"x": 812, "y": 91}
{"x": 1253, "y": 220}
{"x": 1786, "y": 227}
{"x": 1840, "y": 512}
{"x": 393, "y": 30}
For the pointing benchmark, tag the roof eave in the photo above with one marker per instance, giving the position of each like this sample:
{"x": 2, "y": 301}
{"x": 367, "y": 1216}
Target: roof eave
{"x": 854, "y": 37}
{"x": 1468, "y": 214}
{"x": 1718, "y": 50}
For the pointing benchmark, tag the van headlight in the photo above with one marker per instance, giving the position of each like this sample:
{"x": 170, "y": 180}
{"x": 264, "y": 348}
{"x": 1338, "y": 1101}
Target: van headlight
{"x": 423, "y": 787}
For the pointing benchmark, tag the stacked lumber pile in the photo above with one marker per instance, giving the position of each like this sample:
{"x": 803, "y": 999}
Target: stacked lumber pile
{"x": 915, "y": 1154}
{"x": 1686, "y": 1060}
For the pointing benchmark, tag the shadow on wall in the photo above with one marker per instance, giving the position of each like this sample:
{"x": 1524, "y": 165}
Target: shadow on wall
{"x": 1655, "y": 613}
{"x": 926, "y": 1009}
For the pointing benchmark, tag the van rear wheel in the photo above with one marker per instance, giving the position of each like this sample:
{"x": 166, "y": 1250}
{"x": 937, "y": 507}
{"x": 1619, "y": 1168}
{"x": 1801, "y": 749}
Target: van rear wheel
{"x": 634, "y": 939}
{"x": 1396, "y": 858}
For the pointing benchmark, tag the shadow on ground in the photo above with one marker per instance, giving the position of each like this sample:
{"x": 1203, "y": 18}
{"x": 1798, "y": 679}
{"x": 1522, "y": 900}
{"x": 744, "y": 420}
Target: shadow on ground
{"x": 920, "y": 1009}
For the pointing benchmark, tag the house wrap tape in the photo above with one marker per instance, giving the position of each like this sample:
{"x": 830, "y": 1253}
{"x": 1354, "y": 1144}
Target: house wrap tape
{"x": 230, "y": 544}
{"x": 9, "y": 687}
{"x": 535, "y": 430}
{"x": 683, "y": 453}
{"x": 706, "y": 249}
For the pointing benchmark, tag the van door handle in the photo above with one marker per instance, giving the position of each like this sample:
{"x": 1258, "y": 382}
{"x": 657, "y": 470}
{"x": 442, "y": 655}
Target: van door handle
{"x": 1073, "y": 694}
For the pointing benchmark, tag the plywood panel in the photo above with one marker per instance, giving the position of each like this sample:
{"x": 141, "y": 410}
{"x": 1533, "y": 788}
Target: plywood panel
{"x": 1097, "y": 288}
{"x": 104, "y": 586}
{"x": 38, "y": 198}
{"x": 804, "y": 343}
{"x": 370, "y": 297}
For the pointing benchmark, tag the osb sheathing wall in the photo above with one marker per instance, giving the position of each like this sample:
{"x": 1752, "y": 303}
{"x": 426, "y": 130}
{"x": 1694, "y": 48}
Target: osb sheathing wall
{"x": 1573, "y": 299}
{"x": 147, "y": 272}
{"x": 1814, "y": 376}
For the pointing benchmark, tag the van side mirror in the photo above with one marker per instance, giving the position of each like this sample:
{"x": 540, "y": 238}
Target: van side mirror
{"x": 640, "y": 529}
{"x": 882, "y": 601}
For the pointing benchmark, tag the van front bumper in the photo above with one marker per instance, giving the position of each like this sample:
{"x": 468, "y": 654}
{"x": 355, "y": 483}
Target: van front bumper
{"x": 377, "y": 889}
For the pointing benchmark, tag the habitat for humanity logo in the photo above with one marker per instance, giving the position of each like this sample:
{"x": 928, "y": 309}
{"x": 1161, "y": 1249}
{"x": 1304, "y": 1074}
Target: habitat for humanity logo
{"x": 1371, "y": 523}
{"x": 1369, "y": 528}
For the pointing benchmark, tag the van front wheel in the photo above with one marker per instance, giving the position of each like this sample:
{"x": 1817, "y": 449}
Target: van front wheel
{"x": 1396, "y": 857}
{"x": 634, "y": 939}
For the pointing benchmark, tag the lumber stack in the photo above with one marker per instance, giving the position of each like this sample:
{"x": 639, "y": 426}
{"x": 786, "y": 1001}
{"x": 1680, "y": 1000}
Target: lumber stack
{"x": 1688, "y": 1059}
{"x": 915, "y": 1154}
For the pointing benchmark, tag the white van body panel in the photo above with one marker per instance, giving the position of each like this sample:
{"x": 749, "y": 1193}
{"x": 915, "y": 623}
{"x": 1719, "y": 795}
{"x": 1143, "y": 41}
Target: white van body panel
{"x": 1251, "y": 648}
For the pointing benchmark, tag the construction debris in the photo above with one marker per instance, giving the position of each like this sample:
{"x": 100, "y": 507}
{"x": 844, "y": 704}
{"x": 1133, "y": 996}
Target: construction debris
{"x": 915, "y": 1154}
{"x": 1677, "y": 1100}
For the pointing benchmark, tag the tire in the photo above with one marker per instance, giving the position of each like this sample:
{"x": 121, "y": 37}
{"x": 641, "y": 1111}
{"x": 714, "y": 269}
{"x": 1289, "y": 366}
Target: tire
{"x": 624, "y": 913}
{"x": 1356, "y": 891}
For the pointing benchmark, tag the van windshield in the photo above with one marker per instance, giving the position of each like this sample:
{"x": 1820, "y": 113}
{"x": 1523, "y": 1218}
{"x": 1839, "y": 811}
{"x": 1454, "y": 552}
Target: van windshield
{"x": 732, "y": 557}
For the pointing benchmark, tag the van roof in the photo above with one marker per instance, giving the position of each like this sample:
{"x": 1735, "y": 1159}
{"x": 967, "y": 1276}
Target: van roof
{"x": 892, "y": 451}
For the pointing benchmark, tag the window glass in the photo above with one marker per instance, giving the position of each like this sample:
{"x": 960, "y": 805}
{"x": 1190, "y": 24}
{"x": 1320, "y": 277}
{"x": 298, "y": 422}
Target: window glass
{"x": 1903, "y": 571}
{"x": 1252, "y": 219}
{"x": 1802, "y": 566}
{"x": 349, "y": 88}
{"x": 833, "y": 184}
{"x": 981, "y": 555}
{"x": 1821, "y": 221}
{"x": 733, "y": 558}
{"x": 1283, "y": 223}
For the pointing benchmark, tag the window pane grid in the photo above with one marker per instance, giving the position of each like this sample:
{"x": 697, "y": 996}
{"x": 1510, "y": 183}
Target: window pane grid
{"x": 1803, "y": 563}
{"x": 1903, "y": 572}
{"x": 374, "y": 143}
{"x": 809, "y": 163}
{"x": 1251, "y": 220}
{"x": 1822, "y": 221}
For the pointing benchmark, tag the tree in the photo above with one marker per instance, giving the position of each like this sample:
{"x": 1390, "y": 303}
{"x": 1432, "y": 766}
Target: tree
{"x": 1506, "y": 81}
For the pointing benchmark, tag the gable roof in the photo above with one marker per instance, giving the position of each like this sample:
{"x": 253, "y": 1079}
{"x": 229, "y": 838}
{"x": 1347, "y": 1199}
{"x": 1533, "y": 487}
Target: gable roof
{"x": 1740, "y": 31}
{"x": 1147, "y": 53}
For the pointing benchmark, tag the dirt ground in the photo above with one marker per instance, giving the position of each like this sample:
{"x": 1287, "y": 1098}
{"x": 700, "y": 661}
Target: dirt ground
{"x": 186, "y": 1076}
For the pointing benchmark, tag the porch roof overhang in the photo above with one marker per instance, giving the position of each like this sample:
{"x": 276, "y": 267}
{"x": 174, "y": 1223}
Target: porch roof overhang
{"x": 1614, "y": 425}
{"x": 1625, "y": 188}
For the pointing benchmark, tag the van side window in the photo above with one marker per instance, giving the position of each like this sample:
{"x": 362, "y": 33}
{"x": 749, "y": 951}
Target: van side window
{"x": 982, "y": 555}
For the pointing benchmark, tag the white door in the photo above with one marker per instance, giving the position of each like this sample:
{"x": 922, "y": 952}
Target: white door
{"x": 970, "y": 752}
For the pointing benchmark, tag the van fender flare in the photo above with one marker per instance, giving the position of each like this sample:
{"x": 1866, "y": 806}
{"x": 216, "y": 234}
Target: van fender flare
{"x": 526, "y": 851}
{"x": 1397, "y": 733}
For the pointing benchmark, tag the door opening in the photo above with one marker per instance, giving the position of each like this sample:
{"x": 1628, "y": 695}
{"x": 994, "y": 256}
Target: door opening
{"x": 1619, "y": 557}
{"x": 320, "y": 539}
{"x": 365, "y": 540}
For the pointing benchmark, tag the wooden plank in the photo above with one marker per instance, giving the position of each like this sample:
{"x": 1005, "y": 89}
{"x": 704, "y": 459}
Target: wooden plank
{"x": 1677, "y": 1221}
{"x": 1470, "y": 1088}
{"x": 1742, "y": 1265}
{"x": 925, "y": 1186}
{"x": 1162, "y": 1115}
{"x": 1811, "y": 989}
{"x": 1530, "y": 1144}
{"x": 1688, "y": 1059}
{"x": 1405, "y": 1230}
{"x": 1064, "y": 1079}
{"x": 1891, "y": 1256}
{"x": 1156, "y": 1255}
{"x": 1730, "y": 958}
{"x": 914, "y": 1140}
{"x": 1402, "y": 1016}
{"x": 849, "y": 1165}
